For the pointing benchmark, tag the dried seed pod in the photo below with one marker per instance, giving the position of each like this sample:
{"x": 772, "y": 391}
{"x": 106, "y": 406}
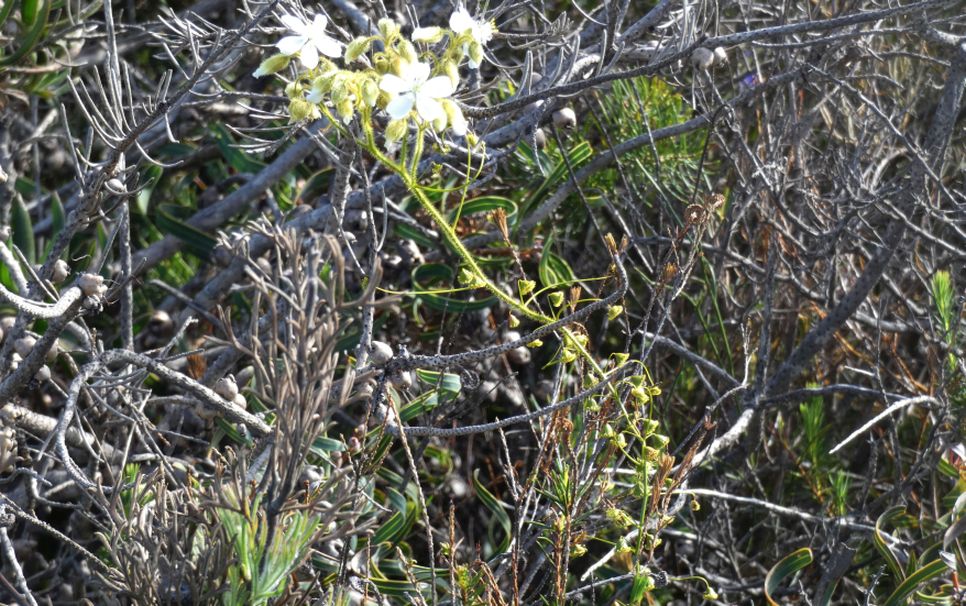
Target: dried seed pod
{"x": 720, "y": 56}
{"x": 43, "y": 373}
{"x": 520, "y": 355}
{"x": 402, "y": 380}
{"x": 702, "y": 58}
{"x": 91, "y": 284}
{"x": 24, "y": 345}
{"x": 565, "y": 118}
{"x": 540, "y": 138}
{"x": 61, "y": 271}
{"x": 53, "y": 352}
{"x": 380, "y": 352}
{"x": 8, "y": 450}
{"x": 226, "y": 387}
{"x": 116, "y": 186}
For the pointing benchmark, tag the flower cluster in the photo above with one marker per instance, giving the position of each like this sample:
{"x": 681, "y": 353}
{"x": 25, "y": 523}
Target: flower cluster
{"x": 410, "y": 79}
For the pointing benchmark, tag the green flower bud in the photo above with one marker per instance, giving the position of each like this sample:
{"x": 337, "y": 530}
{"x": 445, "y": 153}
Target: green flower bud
{"x": 525, "y": 286}
{"x": 272, "y": 65}
{"x": 614, "y": 311}
{"x": 535, "y": 344}
{"x": 466, "y": 277}
{"x": 620, "y": 358}
{"x": 567, "y": 356}
{"x": 556, "y": 298}
{"x": 514, "y": 321}
{"x": 356, "y": 48}
{"x": 396, "y": 130}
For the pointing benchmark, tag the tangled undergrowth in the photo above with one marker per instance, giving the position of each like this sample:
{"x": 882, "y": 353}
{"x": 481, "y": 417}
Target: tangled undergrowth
{"x": 507, "y": 303}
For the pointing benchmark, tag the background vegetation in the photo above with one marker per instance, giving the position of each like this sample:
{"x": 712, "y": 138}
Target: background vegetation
{"x": 714, "y": 353}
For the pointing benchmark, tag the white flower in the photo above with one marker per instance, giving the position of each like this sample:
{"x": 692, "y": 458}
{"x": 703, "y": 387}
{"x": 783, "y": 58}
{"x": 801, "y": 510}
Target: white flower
{"x": 462, "y": 22}
{"x": 414, "y": 88}
{"x": 309, "y": 40}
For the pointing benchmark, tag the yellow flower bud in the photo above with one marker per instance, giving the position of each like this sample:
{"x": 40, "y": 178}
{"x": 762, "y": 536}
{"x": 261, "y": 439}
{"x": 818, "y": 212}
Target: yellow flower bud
{"x": 454, "y": 115}
{"x": 300, "y": 109}
{"x": 556, "y": 298}
{"x": 389, "y": 29}
{"x": 525, "y": 286}
{"x": 452, "y": 70}
{"x": 356, "y": 48}
{"x": 429, "y": 35}
{"x": 344, "y": 109}
{"x": 370, "y": 93}
{"x": 407, "y": 51}
{"x": 614, "y": 311}
{"x": 475, "y": 53}
{"x": 272, "y": 65}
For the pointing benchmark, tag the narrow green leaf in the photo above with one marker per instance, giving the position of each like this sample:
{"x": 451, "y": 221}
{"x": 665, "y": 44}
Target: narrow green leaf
{"x": 28, "y": 11}
{"x": 930, "y": 571}
{"x": 58, "y": 216}
{"x": 23, "y": 230}
{"x": 31, "y": 36}
{"x": 5, "y": 10}
{"x": 499, "y": 513}
{"x": 883, "y": 545}
{"x": 239, "y": 160}
{"x": 554, "y": 272}
{"x": 197, "y": 241}
{"x": 784, "y": 569}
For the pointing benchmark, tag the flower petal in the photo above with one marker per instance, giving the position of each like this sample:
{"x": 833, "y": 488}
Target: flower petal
{"x": 438, "y": 87}
{"x": 461, "y": 20}
{"x": 294, "y": 24}
{"x": 309, "y": 56}
{"x": 330, "y": 47}
{"x": 400, "y": 107}
{"x": 394, "y": 85}
{"x": 428, "y": 108}
{"x": 289, "y": 45}
{"x": 417, "y": 72}
{"x": 318, "y": 24}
